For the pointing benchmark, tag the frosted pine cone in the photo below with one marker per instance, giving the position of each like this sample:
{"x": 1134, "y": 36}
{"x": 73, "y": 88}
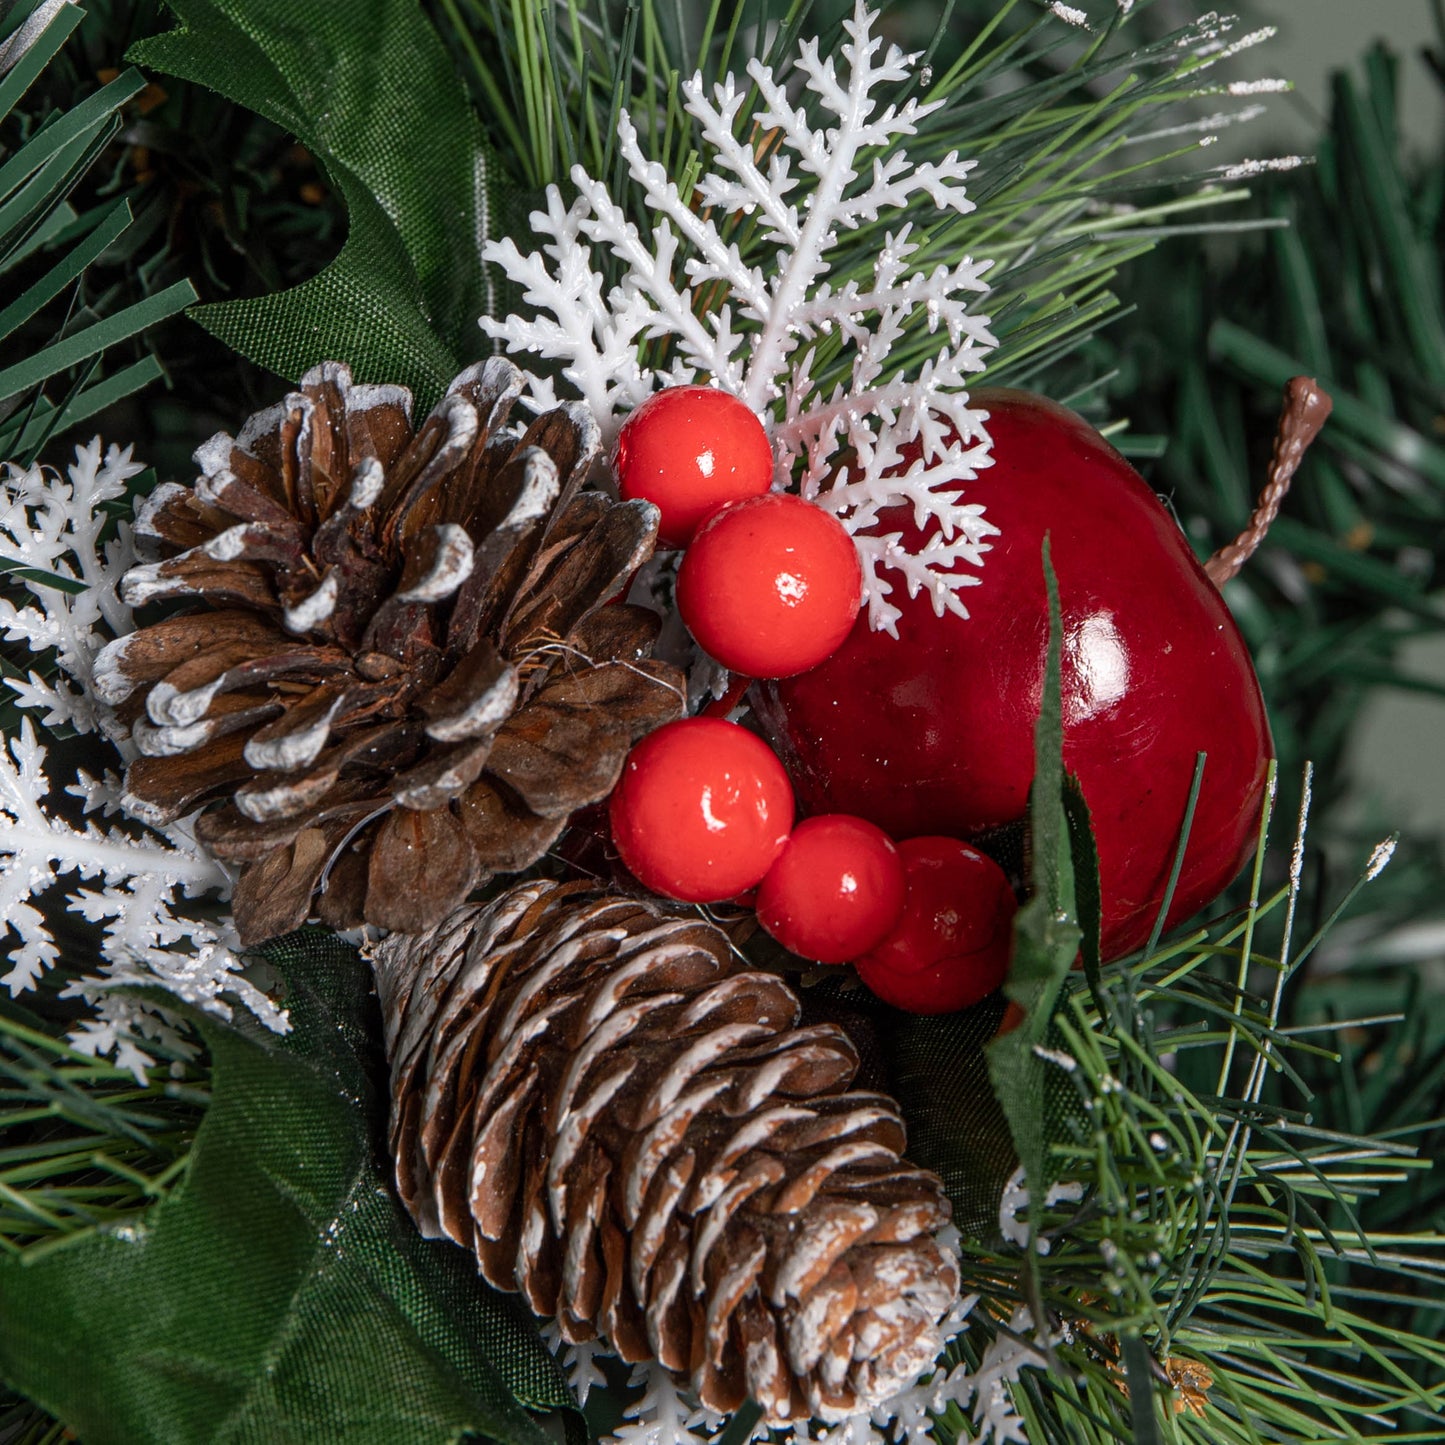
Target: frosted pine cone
{"x": 630, "y": 1128}
{"x": 395, "y": 665}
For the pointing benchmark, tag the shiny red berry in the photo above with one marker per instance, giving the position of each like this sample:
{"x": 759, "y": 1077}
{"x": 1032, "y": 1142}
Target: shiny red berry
{"x": 770, "y": 587}
{"x": 688, "y": 450}
{"x": 951, "y": 946}
{"x": 702, "y": 810}
{"x": 836, "y": 890}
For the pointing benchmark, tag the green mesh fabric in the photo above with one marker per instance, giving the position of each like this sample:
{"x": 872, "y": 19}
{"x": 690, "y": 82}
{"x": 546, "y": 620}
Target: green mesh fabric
{"x": 282, "y": 1295}
{"x": 369, "y": 89}
{"x": 939, "y": 1074}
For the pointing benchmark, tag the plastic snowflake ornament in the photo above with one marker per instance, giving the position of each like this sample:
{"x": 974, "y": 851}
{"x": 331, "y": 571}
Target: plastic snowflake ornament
{"x": 754, "y": 329}
{"x": 51, "y": 528}
{"x": 153, "y": 890}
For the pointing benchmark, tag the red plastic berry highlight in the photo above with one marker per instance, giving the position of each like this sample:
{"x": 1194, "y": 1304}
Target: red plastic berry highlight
{"x": 688, "y": 450}
{"x": 836, "y": 890}
{"x": 702, "y": 810}
{"x": 951, "y": 946}
{"x": 770, "y": 587}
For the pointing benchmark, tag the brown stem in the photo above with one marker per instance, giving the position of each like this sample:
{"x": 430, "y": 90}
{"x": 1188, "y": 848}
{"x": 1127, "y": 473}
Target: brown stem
{"x": 722, "y": 706}
{"x": 1306, "y": 407}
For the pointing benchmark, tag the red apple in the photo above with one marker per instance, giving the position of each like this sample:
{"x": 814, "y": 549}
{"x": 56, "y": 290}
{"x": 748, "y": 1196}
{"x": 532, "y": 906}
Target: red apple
{"x": 933, "y": 733}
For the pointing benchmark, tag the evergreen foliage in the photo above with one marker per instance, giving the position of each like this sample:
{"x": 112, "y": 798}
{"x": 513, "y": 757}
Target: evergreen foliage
{"x": 62, "y": 329}
{"x": 1257, "y": 1248}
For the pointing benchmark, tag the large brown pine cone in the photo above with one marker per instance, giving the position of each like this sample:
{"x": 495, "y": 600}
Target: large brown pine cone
{"x": 629, "y": 1127}
{"x": 395, "y": 663}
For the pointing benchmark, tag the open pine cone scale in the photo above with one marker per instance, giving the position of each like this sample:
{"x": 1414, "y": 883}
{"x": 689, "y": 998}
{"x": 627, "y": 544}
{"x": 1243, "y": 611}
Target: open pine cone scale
{"x": 396, "y": 662}
{"x": 628, "y": 1126}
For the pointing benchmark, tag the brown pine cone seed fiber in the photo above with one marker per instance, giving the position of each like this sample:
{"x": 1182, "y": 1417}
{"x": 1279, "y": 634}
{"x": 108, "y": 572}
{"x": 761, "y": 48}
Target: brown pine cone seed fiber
{"x": 628, "y": 1126}
{"x": 393, "y": 671}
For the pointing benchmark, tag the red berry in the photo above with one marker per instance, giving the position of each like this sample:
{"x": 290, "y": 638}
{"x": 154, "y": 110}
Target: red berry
{"x": 933, "y": 732}
{"x": 688, "y": 450}
{"x": 836, "y": 890}
{"x": 770, "y": 586}
{"x": 702, "y": 810}
{"x": 951, "y": 946}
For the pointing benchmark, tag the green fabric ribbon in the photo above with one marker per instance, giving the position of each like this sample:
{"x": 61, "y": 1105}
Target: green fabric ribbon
{"x": 282, "y": 1295}
{"x": 369, "y": 89}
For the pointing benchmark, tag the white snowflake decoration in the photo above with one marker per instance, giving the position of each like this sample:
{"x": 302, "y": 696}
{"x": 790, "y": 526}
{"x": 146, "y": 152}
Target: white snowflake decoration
{"x": 987, "y": 1387}
{"x": 580, "y": 1360}
{"x": 132, "y": 880}
{"x": 1013, "y": 1208}
{"x": 666, "y": 1413}
{"x": 51, "y": 527}
{"x": 910, "y": 439}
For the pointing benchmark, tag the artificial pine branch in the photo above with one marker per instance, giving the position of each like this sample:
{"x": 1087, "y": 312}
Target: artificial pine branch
{"x": 1072, "y": 185}
{"x": 60, "y": 337}
{"x": 1292, "y": 1199}
{"x": 1349, "y": 578}
{"x": 83, "y": 1144}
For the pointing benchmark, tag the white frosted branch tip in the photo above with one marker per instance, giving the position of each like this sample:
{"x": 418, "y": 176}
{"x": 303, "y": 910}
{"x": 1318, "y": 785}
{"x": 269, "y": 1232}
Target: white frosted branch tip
{"x": 1211, "y": 123}
{"x": 1248, "y": 42}
{"x": 1067, "y": 1062}
{"x": 1297, "y": 855}
{"x": 1380, "y": 859}
{"x": 1258, "y": 87}
{"x": 1213, "y": 50}
{"x": 1247, "y": 170}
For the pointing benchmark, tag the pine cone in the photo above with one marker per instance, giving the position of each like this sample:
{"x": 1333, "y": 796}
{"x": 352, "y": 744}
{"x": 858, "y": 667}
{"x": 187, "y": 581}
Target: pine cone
{"x": 630, "y": 1128}
{"x": 396, "y": 665}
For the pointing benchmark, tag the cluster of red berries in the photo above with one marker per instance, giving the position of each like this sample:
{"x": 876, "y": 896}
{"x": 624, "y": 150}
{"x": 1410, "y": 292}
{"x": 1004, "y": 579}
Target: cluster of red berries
{"x": 704, "y": 813}
{"x": 770, "y": 585}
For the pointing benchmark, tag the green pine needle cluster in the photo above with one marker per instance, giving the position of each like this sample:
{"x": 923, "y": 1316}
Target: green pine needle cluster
{"x": 1349, "y": 578}
{"x": 83, "y": 1144}
{"x": 56, "y": 333}
{"x": 1219, "y": 1260}
{"x": 23, "y": 1423}
{"x": 1344, "y": 287}
{"x": 1069, "y": 185}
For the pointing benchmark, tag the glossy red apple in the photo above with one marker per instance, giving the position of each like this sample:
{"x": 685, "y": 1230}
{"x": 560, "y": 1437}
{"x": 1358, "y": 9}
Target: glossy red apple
{"x": 933, "y": 733}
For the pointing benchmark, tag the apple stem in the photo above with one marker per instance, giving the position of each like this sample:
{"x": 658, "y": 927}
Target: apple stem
{"x": 1306, "y": 407}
